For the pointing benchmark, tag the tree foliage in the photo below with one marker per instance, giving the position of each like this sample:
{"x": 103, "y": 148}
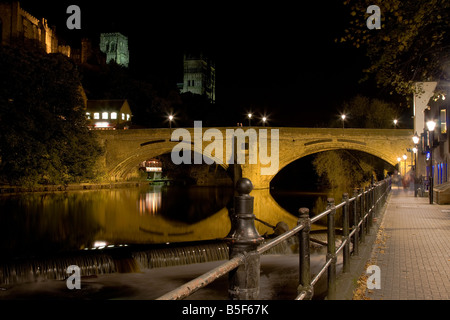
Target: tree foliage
{"x": 365, "y": 112}
{"x": 412, "y": 45}
{"x": 341, "y": 171}
{"x": 43, "y": 132}
{"x": 112, "y": 81}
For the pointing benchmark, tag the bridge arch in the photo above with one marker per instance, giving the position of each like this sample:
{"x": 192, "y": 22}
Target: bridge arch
{"x": 125, "y": 149}
{"x": 128, "y": 166}
{"x": 330, "y": 146}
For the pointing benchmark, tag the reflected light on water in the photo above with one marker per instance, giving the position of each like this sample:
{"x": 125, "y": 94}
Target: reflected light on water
{"x": 150, "y": 202}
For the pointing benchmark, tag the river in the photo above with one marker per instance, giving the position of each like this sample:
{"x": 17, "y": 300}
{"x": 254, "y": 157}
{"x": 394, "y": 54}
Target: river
{"x": 35, "y": 224}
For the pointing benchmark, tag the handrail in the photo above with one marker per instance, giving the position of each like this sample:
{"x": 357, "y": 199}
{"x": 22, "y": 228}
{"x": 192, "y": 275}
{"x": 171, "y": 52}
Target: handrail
{"x": 202, "y": 281}
{"x": 245, "y": 247}
{"x": 272, "y": 243}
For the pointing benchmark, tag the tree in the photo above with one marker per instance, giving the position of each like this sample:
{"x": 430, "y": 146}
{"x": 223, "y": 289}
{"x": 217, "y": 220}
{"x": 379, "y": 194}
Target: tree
{"x": 364, "y": 112}
{"x": 113, "y": 81}
{"x": 341, "y": 171}
{"x": 411, "y": 46}
{"x": 43, "y": 132}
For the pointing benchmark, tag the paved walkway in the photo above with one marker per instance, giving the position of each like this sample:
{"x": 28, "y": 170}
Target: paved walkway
{"x": 412, "y": 250}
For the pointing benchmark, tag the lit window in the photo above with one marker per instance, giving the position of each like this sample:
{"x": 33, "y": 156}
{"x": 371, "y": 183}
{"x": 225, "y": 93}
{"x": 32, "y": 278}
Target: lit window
{"x": 443, "y": 118}
{"x": 113, "y": 115}
{"x": 128, "y": 117}
{"x": 123, "y": 116}
{"x": 105, "y": 115}
{"x": 96, "y": 115}
{"x": 101, "y": 124}
{"x": 88, "y": 115}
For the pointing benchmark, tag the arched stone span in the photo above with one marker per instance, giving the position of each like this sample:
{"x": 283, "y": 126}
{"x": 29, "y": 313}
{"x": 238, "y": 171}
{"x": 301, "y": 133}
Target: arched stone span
{"x": 124, "y": 150}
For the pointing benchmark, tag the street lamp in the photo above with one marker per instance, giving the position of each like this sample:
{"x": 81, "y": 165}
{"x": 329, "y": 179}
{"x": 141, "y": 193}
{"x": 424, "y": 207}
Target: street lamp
{"x": 395, "y": 123}
{"x": 264, "y": 119}
{"x": 249, "y": 119}
{"x": 170, "y": 123}
{"x": 431, "y": 125}
{"x": 343, "y": 116}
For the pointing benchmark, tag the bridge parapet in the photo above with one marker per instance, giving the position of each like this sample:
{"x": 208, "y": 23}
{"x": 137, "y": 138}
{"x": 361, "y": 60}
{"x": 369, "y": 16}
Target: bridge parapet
{"x": 125, "y": 149}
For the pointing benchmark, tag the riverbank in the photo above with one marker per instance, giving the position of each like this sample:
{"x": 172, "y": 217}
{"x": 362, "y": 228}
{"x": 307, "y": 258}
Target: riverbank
{"x": 5, "y": 189}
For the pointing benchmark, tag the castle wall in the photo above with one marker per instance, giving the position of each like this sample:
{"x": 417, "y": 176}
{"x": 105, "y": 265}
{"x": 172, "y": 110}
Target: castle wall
{"x": 19, "y": 25}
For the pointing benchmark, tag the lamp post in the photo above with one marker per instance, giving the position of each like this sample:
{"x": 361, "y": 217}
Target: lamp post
{"x": 431, "y": 125}
{"x": 249, "y": 119}
{"x": 343, "y": 116}
{"x": 170, "y": 124}
{"x": 395, "y": 123}
{"x": 264, "y": 119}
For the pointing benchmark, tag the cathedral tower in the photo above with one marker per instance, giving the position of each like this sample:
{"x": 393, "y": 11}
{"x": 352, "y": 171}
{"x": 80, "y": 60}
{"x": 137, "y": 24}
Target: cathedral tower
{"x": 115, "y": 45}
{"x": 199, "y": 76}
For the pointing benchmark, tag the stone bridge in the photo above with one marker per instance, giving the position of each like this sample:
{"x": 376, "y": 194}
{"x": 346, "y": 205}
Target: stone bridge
{"x": 125, "y": 149}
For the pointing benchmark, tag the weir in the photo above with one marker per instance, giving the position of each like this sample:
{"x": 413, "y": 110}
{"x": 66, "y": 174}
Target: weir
{"x": 120, "y": 260}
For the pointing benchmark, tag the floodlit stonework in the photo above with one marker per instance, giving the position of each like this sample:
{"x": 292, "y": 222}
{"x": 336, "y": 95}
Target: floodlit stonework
{"x": 126, "y": 149}
{"x": 18, "y": 26}
{"x": 115, "y": 46}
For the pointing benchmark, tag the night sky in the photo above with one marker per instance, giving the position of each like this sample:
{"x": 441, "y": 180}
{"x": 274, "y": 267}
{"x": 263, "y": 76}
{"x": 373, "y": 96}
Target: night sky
{"x": 277, "y": 57}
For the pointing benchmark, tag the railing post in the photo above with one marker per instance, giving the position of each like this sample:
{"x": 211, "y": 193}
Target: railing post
{"x": 304, "y": 255}
{"x": 355, "y": 223}
{"x": 371, "y": 208}
{"x": 367, "y": 211}
{"x": 362, "y": 213}
{"x": 331, "y": 250}
{"x": 244, "y": 280}
{"x": 345, "y": 232}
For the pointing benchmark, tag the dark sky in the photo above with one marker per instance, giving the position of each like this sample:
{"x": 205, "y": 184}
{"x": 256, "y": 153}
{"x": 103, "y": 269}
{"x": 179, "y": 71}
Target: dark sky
{"x": 270, "y": 55}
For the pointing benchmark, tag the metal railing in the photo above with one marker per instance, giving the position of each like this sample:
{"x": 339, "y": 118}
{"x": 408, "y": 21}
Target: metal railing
{"x": 245, "y": 244}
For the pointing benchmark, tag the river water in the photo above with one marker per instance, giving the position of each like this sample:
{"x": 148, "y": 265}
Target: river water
{"x": 34, "y": 224}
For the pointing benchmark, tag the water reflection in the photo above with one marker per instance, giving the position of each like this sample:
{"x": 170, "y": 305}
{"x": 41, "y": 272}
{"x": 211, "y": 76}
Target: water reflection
{"x": 151, "y": 201}
{"x": 39, "y": 223}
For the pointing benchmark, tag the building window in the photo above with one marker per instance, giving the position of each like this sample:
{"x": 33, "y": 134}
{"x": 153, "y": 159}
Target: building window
{"x": 189, "y": 83}
{"x": 443, "y": 121}
{"x": 113, "y": 115}
{"x": 123, "y": 116}
{"x": 96, "y": 115}
{"x": 88, "y": 115}
{"x": 193, "y": 84}
{"x": 105, "y": 115}
{"x": 128, "y": 117}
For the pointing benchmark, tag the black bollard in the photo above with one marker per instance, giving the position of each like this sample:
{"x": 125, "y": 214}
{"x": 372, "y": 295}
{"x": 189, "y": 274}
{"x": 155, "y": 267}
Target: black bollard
{"x": 244, "y": 280}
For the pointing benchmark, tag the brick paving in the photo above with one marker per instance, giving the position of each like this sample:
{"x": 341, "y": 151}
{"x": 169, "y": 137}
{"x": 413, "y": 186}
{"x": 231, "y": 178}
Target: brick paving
{"x": 412, "y": 250}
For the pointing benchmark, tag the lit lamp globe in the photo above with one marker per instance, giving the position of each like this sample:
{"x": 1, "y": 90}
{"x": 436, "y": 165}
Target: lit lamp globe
{"x": 431, "y": 125}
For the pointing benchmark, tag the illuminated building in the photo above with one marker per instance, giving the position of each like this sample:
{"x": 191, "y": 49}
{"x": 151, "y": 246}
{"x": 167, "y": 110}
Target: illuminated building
{"x": 115, "y": 46}
{"x": 199, "y": 76}
{"x": 108, "y": 114}
{"x": 19, "y": 26}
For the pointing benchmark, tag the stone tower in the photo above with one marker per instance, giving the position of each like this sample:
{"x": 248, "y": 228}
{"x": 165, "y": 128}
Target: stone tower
{"x": 115, "y": 45}
{"x": 199, "y": 76}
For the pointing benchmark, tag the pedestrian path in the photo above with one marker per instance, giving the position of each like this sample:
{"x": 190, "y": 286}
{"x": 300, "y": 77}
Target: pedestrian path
{"x": 412, "y": 250}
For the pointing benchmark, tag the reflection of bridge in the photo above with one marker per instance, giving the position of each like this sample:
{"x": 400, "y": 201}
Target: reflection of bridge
{"x": 124, "y": 150}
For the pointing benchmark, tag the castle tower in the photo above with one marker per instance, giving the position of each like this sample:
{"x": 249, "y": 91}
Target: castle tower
{"x": 199, "y": 76}
{"x": 115, "y": 45}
